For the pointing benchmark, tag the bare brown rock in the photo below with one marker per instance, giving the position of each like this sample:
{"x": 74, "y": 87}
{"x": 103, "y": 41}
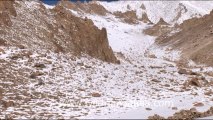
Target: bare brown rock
{"x": 161, "y": 22}
{"x": 198, "y": 104}
{"x": 128, "y": 16}
{"x": 2, "y": 51}
{"x": 174, "y": 108}
{"x": 36, "y": 74}
{"x": 160, "y": 29}
{"x": 40, "y": 82}
{"x": 156, "y": 117}
{"x": 84, "y": 36}
{"x": 148, "y": 109}
{"x": 1, "y": 93}
{"x": 186, "y": 114}
{"x": 6, "y": 10}
{"x": 7, "y": 104}
{"x": 145, "y": 18}
{"x": 195, "y": 82}
{"x": 155, "y": 80}
{"x": 39, "y": 65}
{"x": 90, "y": 7}
{"x": 208, "y": 93}
{"x": 8, "y": 6}
{"x": 95, "y": 94}
{"x": 182, "y": 71}
{"x": 2, "y": 42}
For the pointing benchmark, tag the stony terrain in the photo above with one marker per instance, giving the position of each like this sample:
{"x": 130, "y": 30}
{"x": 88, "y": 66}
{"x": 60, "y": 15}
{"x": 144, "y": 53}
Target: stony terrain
{"x": 79, "y": 61}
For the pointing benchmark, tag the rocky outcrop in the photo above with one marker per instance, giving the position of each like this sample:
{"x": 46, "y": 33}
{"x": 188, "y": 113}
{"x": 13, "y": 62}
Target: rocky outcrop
{"x": 158, "y": 29}
{"x": 128, "y": 16}
{"x": 91, "y": 7}
{"x": 85, "y": 36}
{"x": 194, "y": 40}
{"x": 145, "y": 18}
{"x": 161, "y": 22}
{"x": 57, "y": 29}
{"x": 185, "y": 114}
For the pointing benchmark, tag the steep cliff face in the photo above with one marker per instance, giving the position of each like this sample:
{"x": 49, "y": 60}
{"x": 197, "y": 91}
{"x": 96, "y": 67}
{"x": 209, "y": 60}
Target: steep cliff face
{"x": 30, "y": 24}
{"x": 85, "y": 36}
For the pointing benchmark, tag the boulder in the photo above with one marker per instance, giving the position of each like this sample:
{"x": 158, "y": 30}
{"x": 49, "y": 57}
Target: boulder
{"x": 95, "y": 94}
{"x": 182, "y": 71}
{"x": 195, "y": 82}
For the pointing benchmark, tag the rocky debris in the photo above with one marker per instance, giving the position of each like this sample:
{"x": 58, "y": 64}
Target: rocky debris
{"x": 95, "y": 94}
{"x": 145, "y": 18}
{"x": 186, "y": 114}
{"x": 156, "y": 117}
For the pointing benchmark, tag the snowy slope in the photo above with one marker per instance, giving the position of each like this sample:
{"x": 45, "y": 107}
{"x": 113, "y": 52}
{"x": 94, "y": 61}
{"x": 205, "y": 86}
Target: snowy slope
{"x": 168, "y": 10}
{"x": 131, "y": 46}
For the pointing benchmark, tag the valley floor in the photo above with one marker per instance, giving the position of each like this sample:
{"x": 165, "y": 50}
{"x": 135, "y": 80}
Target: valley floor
{"x": 43, "y": 84}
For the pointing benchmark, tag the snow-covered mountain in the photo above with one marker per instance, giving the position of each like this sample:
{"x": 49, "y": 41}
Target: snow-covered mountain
{"x": 171, "y": 11}
{"x": 94, "y": 60}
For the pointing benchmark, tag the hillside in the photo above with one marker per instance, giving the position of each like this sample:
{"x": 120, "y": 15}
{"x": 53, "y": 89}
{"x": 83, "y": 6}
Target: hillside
{"x": 194, "y": 40}
{"x": 116, "y": 60}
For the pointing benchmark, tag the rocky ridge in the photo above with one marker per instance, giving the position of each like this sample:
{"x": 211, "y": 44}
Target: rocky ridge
{"x": 33, "y": 26}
